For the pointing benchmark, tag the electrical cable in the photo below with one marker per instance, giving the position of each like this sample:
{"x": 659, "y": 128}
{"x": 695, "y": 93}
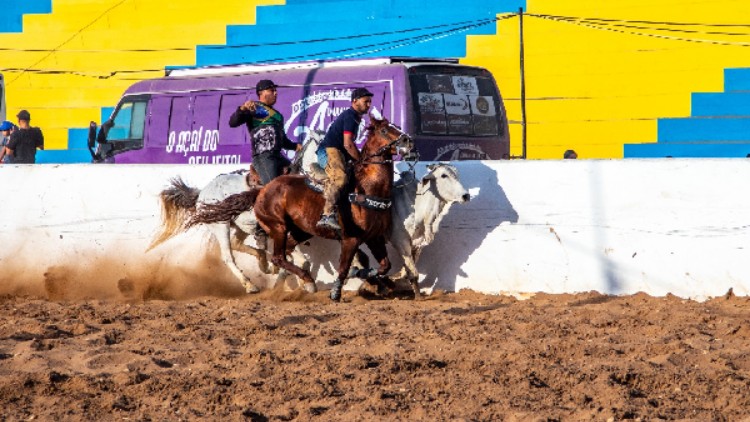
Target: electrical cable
{"x": 236, "y": 46}
{"x": 603, "y": 27}
{"x": 354, "y": 51}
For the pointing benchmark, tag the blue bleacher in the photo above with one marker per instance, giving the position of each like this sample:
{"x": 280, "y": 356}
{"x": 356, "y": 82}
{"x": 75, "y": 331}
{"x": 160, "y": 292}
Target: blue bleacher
{"x": 356, "y": 12}
{"x": 688, "y": 150}
{"x": 718, "y": 126}
{"x": 704, "y": 129}
{"x": 404, "y": 28}
{"x": 737, "y": 79}
{"x": 78, "y": 151}
{"x": 705, "y": 104}
{"x": 13, "y": 11}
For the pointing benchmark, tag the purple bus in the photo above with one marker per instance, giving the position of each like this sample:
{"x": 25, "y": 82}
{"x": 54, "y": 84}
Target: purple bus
{"x": 452, "y": 111}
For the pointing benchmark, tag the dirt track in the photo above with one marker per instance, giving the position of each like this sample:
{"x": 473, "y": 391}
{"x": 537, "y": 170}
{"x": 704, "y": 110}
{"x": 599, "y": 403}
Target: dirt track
{"x": 289, "y": 356}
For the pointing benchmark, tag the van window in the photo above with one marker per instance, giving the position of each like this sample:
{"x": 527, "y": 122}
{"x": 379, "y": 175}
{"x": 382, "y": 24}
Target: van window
{"x": 455, "y": 101}
{"x": 158, "y": 125}
{"x": 129, "y": 122}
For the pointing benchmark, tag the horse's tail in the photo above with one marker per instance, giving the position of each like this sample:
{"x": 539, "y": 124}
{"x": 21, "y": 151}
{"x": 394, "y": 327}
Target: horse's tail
{"x": 226, "y": 210}
{"x": 177, "y": 206}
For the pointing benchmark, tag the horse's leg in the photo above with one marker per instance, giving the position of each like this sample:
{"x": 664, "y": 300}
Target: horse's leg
{"x": 349, "y": 247}
{"x": 246, "y": 224}
{"x": 299, "y": 259}
{"x": 221, "y": 233}
{"x": 238, "y": 244}
{"x": 281, "y": 241}
{"x": 379, "y": 251}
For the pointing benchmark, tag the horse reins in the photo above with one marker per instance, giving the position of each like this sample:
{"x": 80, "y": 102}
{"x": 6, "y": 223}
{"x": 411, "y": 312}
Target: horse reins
{"x": 382, "y": 150}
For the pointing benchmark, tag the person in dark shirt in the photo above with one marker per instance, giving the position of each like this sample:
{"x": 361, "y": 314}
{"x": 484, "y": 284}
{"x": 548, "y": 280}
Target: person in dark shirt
{"x": 24, "y": 141}
{"x": 266, "y": 127}
{"x": 338, "y": 148}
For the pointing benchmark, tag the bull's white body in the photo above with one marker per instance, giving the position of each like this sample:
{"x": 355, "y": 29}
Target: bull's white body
{"x": 418, "y": 208}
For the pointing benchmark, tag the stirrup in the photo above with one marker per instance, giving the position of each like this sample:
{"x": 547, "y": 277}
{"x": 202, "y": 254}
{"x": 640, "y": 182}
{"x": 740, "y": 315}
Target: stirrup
{"x": 329, "y": 222}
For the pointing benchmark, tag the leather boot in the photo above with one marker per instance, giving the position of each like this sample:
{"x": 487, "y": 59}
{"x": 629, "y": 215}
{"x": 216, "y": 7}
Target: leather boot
{"x": 329, "y": 221}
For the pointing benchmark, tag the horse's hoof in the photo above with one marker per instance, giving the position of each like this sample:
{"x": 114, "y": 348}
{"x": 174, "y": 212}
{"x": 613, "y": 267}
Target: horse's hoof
{"x": 384, "y": 291}
{"x": 309, "y": 287}
{"x": 415, "y": 288}
{"x": 336, "y": 295}
{"x": 338, "y": 285}
{"x": 251, "y": 288}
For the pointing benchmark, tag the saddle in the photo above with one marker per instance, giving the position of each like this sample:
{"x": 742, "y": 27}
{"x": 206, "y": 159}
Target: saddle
{"x": 253, "y": 179}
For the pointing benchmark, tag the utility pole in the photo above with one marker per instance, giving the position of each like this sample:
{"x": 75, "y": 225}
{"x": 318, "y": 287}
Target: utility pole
{"x": 523, "y": 86}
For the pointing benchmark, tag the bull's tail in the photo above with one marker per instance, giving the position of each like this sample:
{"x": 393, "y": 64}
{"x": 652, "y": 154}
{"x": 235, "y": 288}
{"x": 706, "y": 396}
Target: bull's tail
{"x": 177, "y": 206}
{"x": 226, "y": 210}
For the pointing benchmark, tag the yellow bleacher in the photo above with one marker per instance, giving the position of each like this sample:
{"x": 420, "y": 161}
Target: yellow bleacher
{"x": 595, "y": 89}
{"x": 87, "y": 37}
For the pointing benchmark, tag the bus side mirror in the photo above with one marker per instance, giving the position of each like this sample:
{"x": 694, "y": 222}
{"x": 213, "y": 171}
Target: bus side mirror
{"x": 92, "y": 143}
{"x": 102, "y": 137}
{"x": 92, "y": 136}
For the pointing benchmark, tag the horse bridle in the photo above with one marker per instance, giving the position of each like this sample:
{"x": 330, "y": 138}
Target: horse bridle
{"x": 385, "y": 148}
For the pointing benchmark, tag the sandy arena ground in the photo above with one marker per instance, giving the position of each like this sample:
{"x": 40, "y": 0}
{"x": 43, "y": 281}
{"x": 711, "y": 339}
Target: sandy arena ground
{"x": 153, "y": 354}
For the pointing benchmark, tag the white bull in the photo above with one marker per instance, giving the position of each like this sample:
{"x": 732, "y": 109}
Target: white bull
{"x": 418, "y": 208}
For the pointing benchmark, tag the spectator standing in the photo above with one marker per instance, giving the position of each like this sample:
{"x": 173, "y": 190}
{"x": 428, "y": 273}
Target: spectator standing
{"x": 24, "y": 141}
{"x": 6, "y": 128}
{"x": 570, "y": 155}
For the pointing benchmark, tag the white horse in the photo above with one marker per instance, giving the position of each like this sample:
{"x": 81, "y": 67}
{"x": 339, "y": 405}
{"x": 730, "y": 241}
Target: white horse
{"x": 179, "y": 202}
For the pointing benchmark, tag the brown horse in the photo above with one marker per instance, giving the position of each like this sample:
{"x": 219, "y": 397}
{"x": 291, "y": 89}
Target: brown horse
{"x": 288, "y": 209}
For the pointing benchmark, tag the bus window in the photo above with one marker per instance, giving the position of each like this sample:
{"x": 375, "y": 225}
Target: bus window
{"x": 158, "y": 126}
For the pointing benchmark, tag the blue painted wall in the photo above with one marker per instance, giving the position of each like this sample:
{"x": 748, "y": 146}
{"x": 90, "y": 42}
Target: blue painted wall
{"x": 356, "y": 28}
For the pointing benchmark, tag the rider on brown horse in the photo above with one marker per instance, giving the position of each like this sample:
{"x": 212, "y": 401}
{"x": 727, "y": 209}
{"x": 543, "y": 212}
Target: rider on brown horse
{"x": 336, "y": 149}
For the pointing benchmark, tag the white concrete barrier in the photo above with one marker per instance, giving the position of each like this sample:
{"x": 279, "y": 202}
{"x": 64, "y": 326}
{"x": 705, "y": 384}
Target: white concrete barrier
{"x": 679, "y": 226}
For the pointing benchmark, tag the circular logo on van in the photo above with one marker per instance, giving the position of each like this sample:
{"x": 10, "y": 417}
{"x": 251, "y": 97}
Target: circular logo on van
{"x": 483, "y": 105}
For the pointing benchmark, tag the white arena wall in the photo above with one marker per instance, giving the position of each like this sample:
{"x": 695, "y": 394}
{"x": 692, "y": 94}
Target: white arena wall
{"x": 679, "y": 226}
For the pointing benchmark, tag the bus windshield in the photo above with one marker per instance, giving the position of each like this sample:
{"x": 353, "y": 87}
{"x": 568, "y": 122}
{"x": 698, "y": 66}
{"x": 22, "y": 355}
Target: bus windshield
{"x": 129, "y": 122}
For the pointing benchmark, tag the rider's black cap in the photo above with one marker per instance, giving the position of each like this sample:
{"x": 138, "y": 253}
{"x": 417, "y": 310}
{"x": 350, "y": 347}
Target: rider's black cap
{"x": 361, "y": 92}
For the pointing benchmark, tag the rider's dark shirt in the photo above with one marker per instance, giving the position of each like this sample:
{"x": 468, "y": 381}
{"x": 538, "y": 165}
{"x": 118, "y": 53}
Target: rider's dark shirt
{"x": 266, "y": 128}
{"x": 348, "y": 121}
